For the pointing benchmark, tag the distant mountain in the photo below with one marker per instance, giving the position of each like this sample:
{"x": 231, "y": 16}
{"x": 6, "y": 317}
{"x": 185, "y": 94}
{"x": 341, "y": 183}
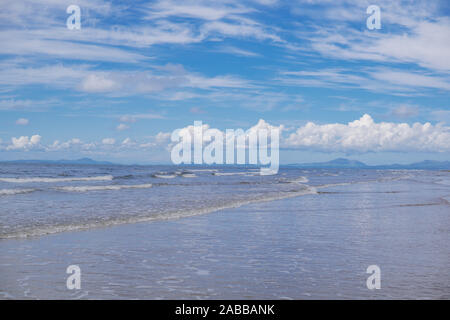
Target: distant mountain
{"x": 336, "y": 163}
{"x": 427, "y": 164}
{"x": 340, "y": 163}
{"x": 63, "y": 161}
{"x": 346, "y": 163}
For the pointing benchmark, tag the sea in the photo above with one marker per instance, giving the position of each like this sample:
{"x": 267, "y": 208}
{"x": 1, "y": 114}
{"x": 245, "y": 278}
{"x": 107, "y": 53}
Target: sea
{"x": 222, "y": 232}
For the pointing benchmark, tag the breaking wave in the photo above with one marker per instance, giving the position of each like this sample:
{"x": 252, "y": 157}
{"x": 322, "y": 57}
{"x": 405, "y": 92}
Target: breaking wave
{"x": 164, "y": 176}
{"x": 100, "y": 188}
{"x": 10, "y": 192}
{"x": 188, "y": 175}
{"x": 52, "y": 180}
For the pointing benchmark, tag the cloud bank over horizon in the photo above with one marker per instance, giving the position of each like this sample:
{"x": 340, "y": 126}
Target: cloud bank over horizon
{"x": 360, "y": 136}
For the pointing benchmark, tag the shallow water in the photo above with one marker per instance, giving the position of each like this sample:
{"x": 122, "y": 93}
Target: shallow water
{"x": 38, "y": 199}
{"x": 316, "y": 242}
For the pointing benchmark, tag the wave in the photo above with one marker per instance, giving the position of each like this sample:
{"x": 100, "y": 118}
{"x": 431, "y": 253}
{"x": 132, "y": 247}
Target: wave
{"x": 328, "y": 174}
{"x": 203, "y": 170}
{"x": 301, "y": 179}
{"x": 128, "y": 176}
{"x": 232, "y": 173}
{"x": 164, "y": 176}
{"x": 10, "y": 192}
{"x": 52, "y": 180}
{"x": 44, "y": 230}
{"x": 337, "y": 184}
{"x": 100, "y": 188}
{"x": 188, "y": 175}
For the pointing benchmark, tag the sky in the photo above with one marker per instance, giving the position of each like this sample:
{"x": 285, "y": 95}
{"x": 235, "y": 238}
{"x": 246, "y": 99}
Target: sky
{"x": 135, "y": 71}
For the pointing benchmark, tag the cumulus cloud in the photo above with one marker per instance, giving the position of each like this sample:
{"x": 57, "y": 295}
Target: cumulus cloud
{"x": 203, "y": 132}
{"x": 359, "y": 136}
{"x": 22, "y": 121}
{"x": 109, "y": 141}
{"x": 365, "y": 135}
{"x": 57, "y": 145}
{"x": 24, "y": 142}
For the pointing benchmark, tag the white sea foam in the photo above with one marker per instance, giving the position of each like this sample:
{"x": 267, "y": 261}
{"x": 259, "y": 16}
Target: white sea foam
{"x": 52, "y": 180}
{"x": 203, "y": 170}
{"x": 265, "y": 172}
{"x": 301, "y": 179}
{"x": 100, "y": 188}
{"x": 337, "y": 184}
{"x": 188, "y": 175}
{"x": 8, "y": 192}
{"x": 165, "y": 176}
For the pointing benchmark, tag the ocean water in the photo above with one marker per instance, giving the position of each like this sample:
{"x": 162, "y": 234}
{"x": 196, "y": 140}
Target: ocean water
{"x": 222, "y": 232}
{"x": 43, "y": 199}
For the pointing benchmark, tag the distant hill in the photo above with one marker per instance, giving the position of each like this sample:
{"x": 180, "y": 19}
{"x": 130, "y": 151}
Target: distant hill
{"x": 427, "y": 164}
{"x": 336, "y": 163}
{"x": 63, "y": 161}
{"x": 347, "y": 163}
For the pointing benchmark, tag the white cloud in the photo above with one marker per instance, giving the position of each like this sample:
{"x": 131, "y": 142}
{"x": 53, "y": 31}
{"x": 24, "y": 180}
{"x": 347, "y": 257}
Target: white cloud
{"x": 360, "y": 136}
{"x": 364, "y": 135}
{"x": 58, "y": 75}
{"x": 24, "y": 142}
{"x": 29, "y": 44}
{"x": 421, "y": 40}
{"x": 97, "y": 83}
{"x": 22, "y": 121}
{"x": 242, "y": 29}
{"x": 131, "y": 118}
{"x": 162, "y": 137}
{"x": 411, "y": 79}
{"x": 57, "y": 145}
{"x": 108, "y": 141}
{"x": 204, "y": 10}
{"x": 11, "y": 104}
{"x": 127, "y": 118}
{"x": 238, "y": 51}
{"x": 26, "y": 104}
{"x": 405, "y": 111}
{"x": 382, "y": 79}
{"x": 427, "y": 45}
{"x": 122, "y": 127}
{"x": 128, "y": 142}
{"x": 205, "y": 128}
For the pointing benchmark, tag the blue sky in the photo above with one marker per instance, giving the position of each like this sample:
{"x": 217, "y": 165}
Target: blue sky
{"x": 137, "y": 70}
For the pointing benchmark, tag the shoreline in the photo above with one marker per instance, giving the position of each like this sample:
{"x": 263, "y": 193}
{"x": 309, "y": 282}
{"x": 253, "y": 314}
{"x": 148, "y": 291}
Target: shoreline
{"x": 161, "y": 217}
